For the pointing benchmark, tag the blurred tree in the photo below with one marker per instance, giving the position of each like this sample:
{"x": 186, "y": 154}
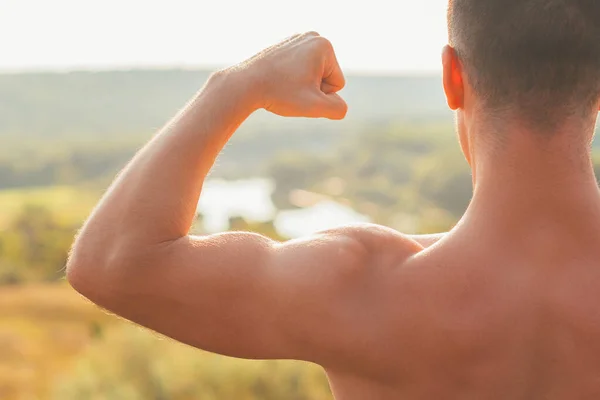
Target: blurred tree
{"x": 198, "y": 225}
{"x": 130, "y": 363}
{"x": 34, "y": 247}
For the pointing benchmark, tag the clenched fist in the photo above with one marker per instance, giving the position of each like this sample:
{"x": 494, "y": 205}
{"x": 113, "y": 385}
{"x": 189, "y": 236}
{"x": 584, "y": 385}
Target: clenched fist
{"x": 299, "y": 77}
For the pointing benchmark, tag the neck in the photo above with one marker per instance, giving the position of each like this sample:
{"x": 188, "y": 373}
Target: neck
{"x": 526, "y": 181}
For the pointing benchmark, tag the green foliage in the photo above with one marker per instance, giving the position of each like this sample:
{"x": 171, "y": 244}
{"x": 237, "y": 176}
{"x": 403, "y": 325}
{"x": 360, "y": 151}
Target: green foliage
{"x": 34, "y": 247}
{"x": 86, "y": 110}
{"x": 68, "y": 204}
{"x": 130, "y": 363}
{"x": 596, "y": 160}
{"x": 111, "y": 104}
{"x": 296, "y": 170}
{"x": 35, "y": 241}
{"x": 386, "y": 173}
{"x": 41, "y": 164}
{"x": 445, "y": 180}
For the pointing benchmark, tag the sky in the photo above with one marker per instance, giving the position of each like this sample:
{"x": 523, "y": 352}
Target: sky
{"x": 368, "y": 36}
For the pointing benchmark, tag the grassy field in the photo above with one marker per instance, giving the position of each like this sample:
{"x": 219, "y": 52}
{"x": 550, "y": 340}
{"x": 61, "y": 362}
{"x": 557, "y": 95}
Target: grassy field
{"x": 43, "y": 326}
{"x": 42, "y": 329}
{"x": 70, "y": 203}
{"x": 54, "y": 345}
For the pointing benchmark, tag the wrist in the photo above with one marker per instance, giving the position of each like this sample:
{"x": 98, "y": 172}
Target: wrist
{"x": 240, "y": 87}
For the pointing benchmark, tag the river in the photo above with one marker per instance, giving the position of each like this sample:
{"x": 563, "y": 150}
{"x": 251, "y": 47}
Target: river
{"x": 251, "y": 199}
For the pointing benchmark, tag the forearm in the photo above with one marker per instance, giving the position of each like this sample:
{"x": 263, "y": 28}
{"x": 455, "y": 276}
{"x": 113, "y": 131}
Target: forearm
{"x": 155, "y": 197}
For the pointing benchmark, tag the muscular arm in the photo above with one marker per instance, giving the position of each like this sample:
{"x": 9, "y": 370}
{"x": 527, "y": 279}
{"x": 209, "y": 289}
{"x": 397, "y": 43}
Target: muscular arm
{"x": 238, "y": 294}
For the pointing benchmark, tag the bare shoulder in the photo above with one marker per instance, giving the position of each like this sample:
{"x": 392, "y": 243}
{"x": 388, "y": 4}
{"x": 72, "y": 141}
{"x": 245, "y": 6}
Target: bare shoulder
{"x": 342, "y": 256}
{"x": 377, "y": 240}
{"x": 362, "y": 296}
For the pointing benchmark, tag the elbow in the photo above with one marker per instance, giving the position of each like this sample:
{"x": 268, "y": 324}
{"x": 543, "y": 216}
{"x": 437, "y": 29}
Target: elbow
{"x": 86, "y": 269}
{"x": 79, "y": 273}
{"x": 92, "y": 269}
{"x": 105, "y": 268}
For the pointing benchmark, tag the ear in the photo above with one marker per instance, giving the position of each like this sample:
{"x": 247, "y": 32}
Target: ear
{"x": 453, "y": 80}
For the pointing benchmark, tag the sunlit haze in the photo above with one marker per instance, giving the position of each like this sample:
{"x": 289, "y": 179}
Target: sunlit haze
{"x": 369, "y": 36}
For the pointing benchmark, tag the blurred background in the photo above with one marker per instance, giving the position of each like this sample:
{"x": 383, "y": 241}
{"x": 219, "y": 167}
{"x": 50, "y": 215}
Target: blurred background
{"x": 83, "y": 84}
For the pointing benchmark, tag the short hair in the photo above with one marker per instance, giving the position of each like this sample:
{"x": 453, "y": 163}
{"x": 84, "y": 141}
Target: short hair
{"x": 542, "y": 56}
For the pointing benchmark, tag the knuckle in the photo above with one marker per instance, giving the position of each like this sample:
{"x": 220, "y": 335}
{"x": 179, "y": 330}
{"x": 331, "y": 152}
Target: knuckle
{"x": 292, "y": 37}
{"x": 312, "y": 33}
{"x": 323, "y": 43}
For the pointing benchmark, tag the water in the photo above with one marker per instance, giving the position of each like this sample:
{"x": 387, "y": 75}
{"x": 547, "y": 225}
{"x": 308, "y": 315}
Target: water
{"x": 251, "y": 199}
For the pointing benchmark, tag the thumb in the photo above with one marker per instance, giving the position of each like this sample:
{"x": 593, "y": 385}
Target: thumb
{"x": 331, "y": 106}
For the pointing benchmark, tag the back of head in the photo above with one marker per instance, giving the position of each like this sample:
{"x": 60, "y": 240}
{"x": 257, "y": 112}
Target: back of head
{"x": 540, "y": 59}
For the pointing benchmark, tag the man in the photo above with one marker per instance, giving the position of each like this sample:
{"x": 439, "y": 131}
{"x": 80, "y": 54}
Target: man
{"x": 505, "y": 306}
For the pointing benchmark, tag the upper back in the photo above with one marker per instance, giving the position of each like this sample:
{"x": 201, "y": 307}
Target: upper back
{"x": 480, "y": 321}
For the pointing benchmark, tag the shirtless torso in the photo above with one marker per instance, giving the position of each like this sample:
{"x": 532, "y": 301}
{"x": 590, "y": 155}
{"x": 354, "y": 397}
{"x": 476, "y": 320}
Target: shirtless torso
{"x": 478, "y": 319}
{"x": 505, "y": 306}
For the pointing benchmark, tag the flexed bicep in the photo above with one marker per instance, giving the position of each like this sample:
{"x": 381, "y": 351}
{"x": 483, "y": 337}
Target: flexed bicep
{"x": 237, "y": 294}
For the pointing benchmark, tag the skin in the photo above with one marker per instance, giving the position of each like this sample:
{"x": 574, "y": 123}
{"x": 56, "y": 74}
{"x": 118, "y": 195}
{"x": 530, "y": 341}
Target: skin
{"x": 502, "y": 307}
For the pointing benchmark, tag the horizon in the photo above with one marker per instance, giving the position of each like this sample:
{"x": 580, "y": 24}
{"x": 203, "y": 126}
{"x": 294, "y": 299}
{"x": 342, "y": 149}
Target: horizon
{"x": 203, "y": 68}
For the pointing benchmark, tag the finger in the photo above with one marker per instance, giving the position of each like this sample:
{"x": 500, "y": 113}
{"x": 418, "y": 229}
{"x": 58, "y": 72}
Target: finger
{"x": 283, "y": 42}
{"x": 328, "y": 88}
{"x": 333, "y": 79}
{"x": 330, "y": 106}
{"x": 290, "y": 38}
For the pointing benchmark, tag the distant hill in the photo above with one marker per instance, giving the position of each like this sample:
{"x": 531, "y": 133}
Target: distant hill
{"x": 81, "y": 126}
{"x": 105, "y": 104}
{"x": 116, "y": 105}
